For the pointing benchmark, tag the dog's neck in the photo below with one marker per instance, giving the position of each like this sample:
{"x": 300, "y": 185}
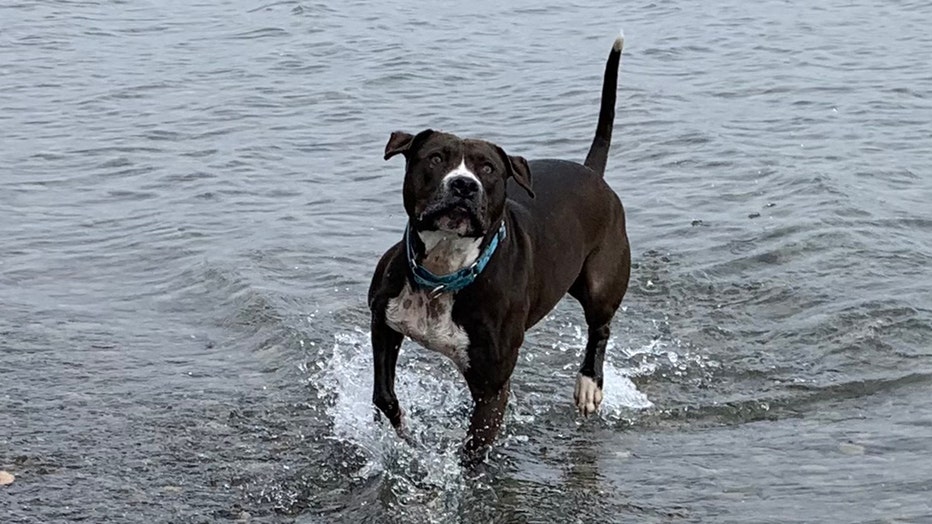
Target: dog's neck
{"x": 445, "y": 253}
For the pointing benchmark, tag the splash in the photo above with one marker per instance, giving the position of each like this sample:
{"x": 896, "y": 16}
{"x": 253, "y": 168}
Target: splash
{"x": 621, "y": 395}
{"x": 435, "y": 399}
{"x": 425, "y": 480}
{"x": 427, "y": 476}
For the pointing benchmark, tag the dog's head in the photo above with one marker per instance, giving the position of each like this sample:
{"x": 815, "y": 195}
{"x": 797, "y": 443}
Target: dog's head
{"x": 455, "y": 185}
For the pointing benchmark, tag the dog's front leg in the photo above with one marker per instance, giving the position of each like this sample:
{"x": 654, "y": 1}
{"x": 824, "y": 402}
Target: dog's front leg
{"x": 386, "y": 343}
{"x": 486, "y": 420}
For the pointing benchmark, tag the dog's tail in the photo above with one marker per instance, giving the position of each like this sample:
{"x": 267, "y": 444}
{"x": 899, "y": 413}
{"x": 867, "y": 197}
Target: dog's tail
{"x": 598, "y": 152}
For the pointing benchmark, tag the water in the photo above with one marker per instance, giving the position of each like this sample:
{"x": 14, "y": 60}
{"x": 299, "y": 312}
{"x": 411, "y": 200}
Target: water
{"x": 193, "y": 199}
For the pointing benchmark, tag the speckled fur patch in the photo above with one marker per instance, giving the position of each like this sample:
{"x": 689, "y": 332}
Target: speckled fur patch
{"x": 429, "y": 322}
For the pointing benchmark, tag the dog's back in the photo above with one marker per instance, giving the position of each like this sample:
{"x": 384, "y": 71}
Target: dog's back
{"x": 579, "y": 222}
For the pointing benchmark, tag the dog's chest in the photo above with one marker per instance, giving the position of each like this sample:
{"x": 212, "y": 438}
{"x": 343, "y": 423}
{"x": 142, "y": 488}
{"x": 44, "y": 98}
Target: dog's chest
{"x": 429, "y": 322}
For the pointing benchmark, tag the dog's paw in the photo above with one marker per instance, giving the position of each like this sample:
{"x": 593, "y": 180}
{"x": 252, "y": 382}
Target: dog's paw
{"x": 402, "y": 430}
{"x": 588, "y": 395}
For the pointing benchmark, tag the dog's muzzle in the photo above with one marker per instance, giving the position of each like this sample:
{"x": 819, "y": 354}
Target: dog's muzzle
{"x": 459, "y": 208}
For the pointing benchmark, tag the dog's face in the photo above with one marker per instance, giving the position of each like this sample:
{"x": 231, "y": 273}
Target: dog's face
{"x": 455, "y": 185}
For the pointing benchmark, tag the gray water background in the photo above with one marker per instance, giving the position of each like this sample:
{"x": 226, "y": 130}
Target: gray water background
{"x": 192, "y": 199}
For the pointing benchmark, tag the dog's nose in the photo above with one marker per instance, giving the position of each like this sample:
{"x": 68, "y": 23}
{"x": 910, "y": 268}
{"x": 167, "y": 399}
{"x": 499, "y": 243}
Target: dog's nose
{"x": 464, "y": 187}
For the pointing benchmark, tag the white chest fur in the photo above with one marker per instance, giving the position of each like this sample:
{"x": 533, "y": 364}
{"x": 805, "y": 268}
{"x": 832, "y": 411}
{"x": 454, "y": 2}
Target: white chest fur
{"x": 429, "y": 322}
{"x": 446, "y": 252}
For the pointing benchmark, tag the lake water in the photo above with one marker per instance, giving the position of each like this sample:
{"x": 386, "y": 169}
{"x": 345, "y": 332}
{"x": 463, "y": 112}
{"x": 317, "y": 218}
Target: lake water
{"x": 192, "y": 200}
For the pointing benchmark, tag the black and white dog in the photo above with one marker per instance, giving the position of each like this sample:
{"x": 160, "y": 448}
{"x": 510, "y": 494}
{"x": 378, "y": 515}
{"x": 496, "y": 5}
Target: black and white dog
{"x": 493, "y": 242}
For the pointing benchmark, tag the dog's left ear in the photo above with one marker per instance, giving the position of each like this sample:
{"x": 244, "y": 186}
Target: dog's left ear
{"x": 401, "y": 142}
{"x": 519, "y": 170}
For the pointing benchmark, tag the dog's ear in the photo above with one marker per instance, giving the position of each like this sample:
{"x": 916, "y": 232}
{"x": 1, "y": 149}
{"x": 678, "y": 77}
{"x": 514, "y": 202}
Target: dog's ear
{"x": 401, "y": 142}
{"x": 518, "y": 169}
{"x": 522, "y": 173}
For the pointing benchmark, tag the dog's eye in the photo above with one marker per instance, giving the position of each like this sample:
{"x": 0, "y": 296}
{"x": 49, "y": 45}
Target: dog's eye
{"x": 434, "y": 159}
{"x": 487, "y": 169}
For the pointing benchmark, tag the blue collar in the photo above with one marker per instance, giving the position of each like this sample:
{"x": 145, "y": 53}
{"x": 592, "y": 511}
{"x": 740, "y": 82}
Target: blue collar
{"x": 457, "y": 280}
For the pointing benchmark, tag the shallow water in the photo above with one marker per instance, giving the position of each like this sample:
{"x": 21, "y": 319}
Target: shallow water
{"x": 193, "y": 199}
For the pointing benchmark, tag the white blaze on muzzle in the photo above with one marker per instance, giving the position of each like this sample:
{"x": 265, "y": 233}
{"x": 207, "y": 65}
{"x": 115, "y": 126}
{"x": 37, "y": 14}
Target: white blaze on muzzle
{"x": 460, "y": 171}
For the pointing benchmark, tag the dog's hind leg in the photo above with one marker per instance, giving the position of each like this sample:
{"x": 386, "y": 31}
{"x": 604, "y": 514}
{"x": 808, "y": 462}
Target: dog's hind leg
{"x": 601, "y": 285}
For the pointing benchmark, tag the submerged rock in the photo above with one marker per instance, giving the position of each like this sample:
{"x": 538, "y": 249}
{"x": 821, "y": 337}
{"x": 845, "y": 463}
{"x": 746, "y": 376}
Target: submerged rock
{"x": 850, "y": 448}
{"x": 6, "y": 478}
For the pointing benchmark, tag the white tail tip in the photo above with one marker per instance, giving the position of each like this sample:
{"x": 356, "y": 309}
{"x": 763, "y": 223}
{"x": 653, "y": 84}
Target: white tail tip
{"x": 620, "y": 41}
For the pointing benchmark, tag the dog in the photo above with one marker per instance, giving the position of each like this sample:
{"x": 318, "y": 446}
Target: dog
{"x": 493, "y": 242}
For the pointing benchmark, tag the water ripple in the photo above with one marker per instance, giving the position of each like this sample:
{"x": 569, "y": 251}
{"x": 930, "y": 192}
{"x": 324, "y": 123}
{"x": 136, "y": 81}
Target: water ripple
{"x": 194, "y": 197}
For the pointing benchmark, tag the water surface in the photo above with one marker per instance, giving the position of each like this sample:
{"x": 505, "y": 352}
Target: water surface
{"x": 192, "y": 199}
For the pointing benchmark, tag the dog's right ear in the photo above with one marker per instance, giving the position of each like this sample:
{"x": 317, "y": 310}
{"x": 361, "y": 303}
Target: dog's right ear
{"x": 401, "y": 142}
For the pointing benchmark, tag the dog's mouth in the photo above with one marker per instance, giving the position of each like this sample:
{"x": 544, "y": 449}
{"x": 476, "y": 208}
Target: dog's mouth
{"x": 459, "y": 217}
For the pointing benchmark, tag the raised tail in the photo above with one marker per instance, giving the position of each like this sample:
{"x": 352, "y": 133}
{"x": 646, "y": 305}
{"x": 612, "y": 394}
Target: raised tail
{"x": 598, "y": 152}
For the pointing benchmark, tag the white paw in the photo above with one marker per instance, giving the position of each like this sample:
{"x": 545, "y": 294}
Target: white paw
{"x": 588, "y": 395}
